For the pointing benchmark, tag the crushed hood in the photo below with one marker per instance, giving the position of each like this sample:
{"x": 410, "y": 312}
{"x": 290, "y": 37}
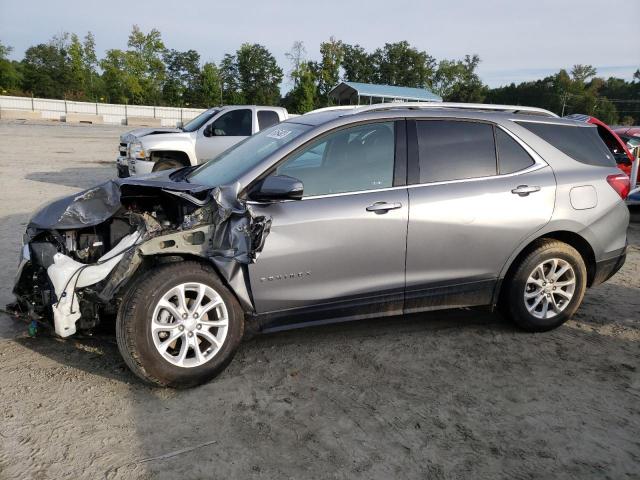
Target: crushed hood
{"x": 97, "y": 204}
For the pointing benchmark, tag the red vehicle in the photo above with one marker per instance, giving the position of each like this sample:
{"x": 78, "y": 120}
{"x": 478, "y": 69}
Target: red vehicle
{"x": 622, "y": 155}
{"x": 628, "y": 131}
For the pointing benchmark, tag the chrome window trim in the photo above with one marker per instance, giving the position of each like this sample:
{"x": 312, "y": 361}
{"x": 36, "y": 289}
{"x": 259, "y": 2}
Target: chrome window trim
{"x": 538, "y": 164}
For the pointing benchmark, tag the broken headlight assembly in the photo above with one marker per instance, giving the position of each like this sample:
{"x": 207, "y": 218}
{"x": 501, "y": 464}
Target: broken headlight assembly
{"x": 136, "y": 150}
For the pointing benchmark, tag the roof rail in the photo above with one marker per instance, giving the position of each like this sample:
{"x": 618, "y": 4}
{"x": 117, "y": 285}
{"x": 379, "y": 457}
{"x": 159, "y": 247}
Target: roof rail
{"x": 334, "y": 107}
{"x": 462, "y": 106}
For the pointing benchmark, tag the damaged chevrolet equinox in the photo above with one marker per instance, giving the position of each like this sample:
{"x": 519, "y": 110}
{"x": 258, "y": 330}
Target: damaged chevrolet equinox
{"x": 337, "y": 215}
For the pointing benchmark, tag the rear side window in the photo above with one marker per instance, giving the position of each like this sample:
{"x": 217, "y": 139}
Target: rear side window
{"x": 511, "y": 156}
{"x": 266, "y": 118}
{"x": 580, "y": 143}
{"x": 455, "y": 150}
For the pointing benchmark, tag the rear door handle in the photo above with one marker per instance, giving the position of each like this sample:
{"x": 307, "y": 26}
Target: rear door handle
{"x": 383, "y": 207}
{"x": 524, "y": 190}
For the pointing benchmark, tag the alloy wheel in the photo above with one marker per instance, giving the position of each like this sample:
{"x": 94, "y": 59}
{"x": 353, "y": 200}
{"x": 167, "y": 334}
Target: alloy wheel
{"x": 189, "y": 324}
{"x": 549, "y": 288}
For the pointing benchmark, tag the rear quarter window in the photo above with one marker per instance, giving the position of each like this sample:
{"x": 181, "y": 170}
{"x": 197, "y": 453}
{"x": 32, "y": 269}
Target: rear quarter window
{"x": 583, "y": 144}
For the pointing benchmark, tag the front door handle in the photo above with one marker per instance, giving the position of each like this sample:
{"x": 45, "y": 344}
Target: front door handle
{"x": 524, "y": 190}
{"x": 383, "y": 207}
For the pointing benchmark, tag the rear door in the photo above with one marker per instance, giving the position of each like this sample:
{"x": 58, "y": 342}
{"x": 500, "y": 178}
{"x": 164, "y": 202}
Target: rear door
{"x": 475, "y": 193}
{"x": 227, "y": 129}
{"x": 340, "y": 251}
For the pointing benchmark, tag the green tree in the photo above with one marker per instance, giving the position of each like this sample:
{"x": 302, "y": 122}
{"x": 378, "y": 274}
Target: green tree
{"x": 144, "y": 61}
{"x": 46, "y": 70}
{"x": 328, "y": 70}
{"x": 259, "y": 75}
{"x": 303, "y": 97}
{"x": 230, "y": 81}
{"x": 10, "y": 78}
{"x": 400, "y": 64}
{"x": 182, "y": 77}
{"x": 582, "y": 73}
{"x": 357, "y": 64}
{"x": 296, "y": 56}
{"x": 119, "y": 85}
{"x": 457, "y": 80}
{"x": 208, "y": 91}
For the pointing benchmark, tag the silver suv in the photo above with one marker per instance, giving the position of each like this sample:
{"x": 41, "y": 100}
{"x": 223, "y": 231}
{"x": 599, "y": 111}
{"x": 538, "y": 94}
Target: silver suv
{"x": 333, "y": 216}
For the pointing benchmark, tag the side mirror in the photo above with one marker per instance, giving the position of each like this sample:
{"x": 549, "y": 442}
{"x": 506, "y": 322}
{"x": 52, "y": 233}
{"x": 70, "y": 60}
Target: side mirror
{"x": 277, "y": 187}
{"x": 208, "y": 130}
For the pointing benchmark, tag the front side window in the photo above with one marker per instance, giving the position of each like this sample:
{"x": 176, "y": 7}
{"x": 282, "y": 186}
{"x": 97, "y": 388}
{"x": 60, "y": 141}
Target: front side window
{"x": 455, "y": 150}
{"x": 236, "y": 123}
{"x": 244, "y": 156}
{"x": 200, "y": 120}
{"x": 349, "y": 160}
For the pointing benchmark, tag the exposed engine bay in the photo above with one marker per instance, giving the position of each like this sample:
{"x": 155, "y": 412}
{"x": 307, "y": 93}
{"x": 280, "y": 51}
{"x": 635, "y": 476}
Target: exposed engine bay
{"x": 81, "y": 252}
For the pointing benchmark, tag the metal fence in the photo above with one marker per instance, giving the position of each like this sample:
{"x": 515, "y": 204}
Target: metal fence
{"x": 111, "y": 113}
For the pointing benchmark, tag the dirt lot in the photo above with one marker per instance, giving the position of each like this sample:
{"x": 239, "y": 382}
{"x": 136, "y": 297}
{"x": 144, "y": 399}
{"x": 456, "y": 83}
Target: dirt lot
{"x": 448, "y": 395}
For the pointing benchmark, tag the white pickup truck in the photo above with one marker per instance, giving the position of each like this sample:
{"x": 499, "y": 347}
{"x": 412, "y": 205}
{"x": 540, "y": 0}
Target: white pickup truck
{"x": 145, "y": 150}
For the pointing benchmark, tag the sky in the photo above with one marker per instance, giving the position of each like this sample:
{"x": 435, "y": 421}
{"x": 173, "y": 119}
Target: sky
{"x": 517, "y": 40}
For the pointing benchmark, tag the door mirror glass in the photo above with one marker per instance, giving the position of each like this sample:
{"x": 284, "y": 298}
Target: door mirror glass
{"x": 277, "y": 187}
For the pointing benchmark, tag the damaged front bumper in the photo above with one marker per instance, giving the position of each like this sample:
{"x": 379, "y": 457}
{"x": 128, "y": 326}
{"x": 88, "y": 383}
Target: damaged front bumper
{"x": 82, "y": 253}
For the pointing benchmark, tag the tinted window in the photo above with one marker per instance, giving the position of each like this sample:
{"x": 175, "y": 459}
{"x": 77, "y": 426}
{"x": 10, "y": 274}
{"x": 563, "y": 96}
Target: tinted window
{"x": 266, "y": 118}
{"x": 451, "y": 150}
{"x": 580, "y": 143}
{"x": 350, "y": 160}
{"x": 236, "y": 123}
{"x": 511, "y": 156}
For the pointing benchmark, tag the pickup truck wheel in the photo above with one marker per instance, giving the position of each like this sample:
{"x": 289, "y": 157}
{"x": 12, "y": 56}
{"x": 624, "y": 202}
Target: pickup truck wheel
{"x": 547, "y": 287}
{"x": 167, "y": 164}
{"x": 179, "y": 326}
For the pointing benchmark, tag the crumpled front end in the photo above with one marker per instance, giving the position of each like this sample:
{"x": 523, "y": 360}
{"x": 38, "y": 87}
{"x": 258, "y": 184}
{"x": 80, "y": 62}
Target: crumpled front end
{"x": 81, "y": 253}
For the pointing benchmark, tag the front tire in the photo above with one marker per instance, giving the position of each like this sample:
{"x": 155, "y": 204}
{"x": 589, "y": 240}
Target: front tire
{"x": 179, "y": 326}
{"x": 167, "y": 164}
{"x": 547, "y": 287}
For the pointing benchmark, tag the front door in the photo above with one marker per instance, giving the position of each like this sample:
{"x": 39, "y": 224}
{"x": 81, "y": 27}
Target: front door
{"x": 340, "y": 251}
{"x": 469, "y": 210}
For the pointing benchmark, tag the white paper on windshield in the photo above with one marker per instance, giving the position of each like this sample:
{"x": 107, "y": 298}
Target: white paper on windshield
{"x": 279, "y": 133}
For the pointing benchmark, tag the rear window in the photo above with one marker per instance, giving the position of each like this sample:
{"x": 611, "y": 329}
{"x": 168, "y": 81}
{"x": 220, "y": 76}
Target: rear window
{"x": 455, "y": 150}
{"x": 580, "y": 143}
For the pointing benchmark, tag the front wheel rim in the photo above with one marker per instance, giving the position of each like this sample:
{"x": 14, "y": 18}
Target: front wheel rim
{"x": 550, "y": 288}
{"x": 189, "y": 324}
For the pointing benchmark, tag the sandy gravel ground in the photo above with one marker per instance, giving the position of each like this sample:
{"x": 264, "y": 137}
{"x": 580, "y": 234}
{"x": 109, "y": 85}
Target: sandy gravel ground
{"x": 448, "y": 395}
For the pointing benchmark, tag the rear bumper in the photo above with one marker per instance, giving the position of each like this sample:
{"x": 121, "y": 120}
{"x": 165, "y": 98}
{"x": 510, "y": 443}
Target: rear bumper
{"x": 607, "y": 268}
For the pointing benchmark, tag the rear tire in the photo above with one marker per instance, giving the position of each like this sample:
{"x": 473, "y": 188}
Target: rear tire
{"x": 164, "y": 340}
{"x": 547, "y": 287}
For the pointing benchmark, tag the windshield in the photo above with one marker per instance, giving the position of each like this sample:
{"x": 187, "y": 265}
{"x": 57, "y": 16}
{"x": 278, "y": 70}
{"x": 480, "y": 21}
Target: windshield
{"x": 229, "y": 165}
{"x": 200, "y": 120}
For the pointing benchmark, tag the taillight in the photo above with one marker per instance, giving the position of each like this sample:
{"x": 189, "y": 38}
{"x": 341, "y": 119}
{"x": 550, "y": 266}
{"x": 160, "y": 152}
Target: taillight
{"x": 620, "y": 183}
